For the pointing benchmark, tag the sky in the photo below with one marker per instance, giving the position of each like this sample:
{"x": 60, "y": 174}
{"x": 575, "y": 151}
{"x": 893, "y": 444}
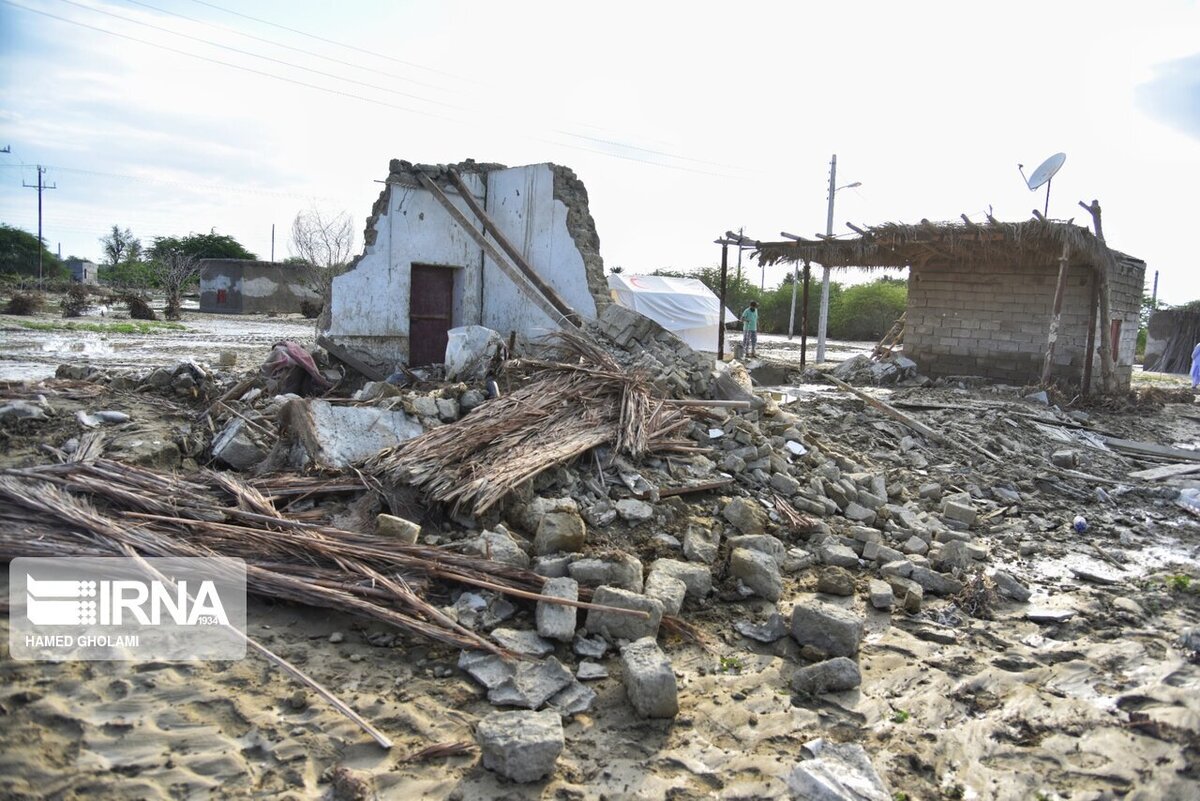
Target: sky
{"x": 684, "y": 120}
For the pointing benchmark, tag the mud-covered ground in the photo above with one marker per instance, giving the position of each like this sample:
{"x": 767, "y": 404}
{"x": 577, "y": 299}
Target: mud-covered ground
{"x": 969, "y": 698}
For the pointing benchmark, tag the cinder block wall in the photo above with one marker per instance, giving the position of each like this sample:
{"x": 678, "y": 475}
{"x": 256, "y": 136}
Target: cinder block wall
{"x": 993, "y": 320}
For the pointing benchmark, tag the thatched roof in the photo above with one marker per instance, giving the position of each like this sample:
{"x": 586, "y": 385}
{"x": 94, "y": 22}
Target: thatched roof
{"x": 896, "y": 245}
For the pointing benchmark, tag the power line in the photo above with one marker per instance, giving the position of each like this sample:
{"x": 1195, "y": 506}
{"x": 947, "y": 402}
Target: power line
{"x": 276, "y": 43}
{"x": 239, "y": 51}
{"x": 354, "y": 96}
{"x": 331, "y": 41}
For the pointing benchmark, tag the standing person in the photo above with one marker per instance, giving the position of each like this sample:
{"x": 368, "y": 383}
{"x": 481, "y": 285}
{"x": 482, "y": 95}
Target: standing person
{"x": 1196, "y": 366}
{"x": 750, "y": 330}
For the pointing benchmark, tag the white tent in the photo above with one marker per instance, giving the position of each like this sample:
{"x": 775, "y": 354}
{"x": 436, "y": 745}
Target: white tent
{"x": 683, "y": 306}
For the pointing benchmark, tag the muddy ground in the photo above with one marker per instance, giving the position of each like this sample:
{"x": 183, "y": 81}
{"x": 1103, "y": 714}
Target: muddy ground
{"x": 967, "y": 699}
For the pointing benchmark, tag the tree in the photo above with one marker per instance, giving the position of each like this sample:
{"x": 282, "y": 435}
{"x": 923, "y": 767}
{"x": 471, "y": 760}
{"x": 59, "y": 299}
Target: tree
{"x": 867, "y": 311}
{"x": 201, "y": 246}
{"x": 19, "y": 255}
{"x": 173, "y": 269}
{"x": 324, "y": 244}
{"x": 120, "y": 247}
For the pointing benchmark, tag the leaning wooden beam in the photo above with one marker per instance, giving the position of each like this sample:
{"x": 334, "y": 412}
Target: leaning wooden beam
{"x": 1108, "y": 381}
{"x": 514, "y": 275}
{"x": 1090, "y": 350}
{"x": 490, "y": 227}
{"x": 1060, "y": 289}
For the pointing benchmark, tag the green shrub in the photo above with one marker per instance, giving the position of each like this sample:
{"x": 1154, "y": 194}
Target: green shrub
{"x": 76, "y": 302}
{"x": 867, "y": 311}
{"x": 24, "y": 303}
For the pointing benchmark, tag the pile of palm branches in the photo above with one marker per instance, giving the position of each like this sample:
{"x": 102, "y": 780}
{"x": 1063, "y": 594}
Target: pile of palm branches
{"x": 108, "y": 508}
{"x": 564, "y": 409}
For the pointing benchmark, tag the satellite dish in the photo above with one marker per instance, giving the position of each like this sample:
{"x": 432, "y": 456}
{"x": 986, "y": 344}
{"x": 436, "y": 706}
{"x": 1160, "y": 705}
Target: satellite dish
{"x": 1044, "y": 173}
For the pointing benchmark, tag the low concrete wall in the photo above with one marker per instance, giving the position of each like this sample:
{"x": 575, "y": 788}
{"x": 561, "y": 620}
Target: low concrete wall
{"x": 242, "y": 286}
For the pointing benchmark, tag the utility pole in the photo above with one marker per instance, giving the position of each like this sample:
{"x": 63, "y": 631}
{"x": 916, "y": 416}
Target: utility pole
{"x": 272, "y": 242}
{"x": 40, "y": 186}
{"x": 1154, "y": 293}
{"x": 741, "y": 231}
{"x": 823, "y": 319}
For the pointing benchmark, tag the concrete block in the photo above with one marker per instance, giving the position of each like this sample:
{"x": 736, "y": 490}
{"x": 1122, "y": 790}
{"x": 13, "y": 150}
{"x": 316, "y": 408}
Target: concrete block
{"x": 617, "y": 626}
{"x": 521, "y": 746}
{"x": 649, "y": 679}
{"x": 557, "y": 621}
{"x": 828, "y": 628}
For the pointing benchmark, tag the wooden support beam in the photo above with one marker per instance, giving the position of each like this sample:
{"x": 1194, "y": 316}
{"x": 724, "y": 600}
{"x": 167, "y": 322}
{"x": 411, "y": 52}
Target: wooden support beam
{"x": 1090, "y": 352}
{"x": 856, "y": 229}
{"x": 804, "y": 317}
{"x": 1108, "y": 378}
{"x": 967, "y": 221}
{"x": 489, "y": 227}
{"x": 514, "y": 274}
{"x": 1038, "y": 215}
{"x": 1060, "y": 290}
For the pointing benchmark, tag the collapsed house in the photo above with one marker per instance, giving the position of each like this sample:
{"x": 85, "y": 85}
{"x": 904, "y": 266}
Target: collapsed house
{"x": 513, "y": 249}
{"x": 983, "y": 299}
{"x": 1170, "y": 337}
{"x": 246, "y": 286}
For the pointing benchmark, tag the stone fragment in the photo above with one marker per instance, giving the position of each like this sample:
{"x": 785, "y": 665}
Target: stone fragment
{"x": 746, "y": 515}
{"x": 236, "y": 448}
{"x": 960, "y": 512}
{"x": 669, "y": 591}
{"x": 591, "y": 671}
{"x": 592, "y": 647}
{"x": 397, "y": 528}
{"x": 531, "y": 684}
{"x": 617, "y": 626}
{"x": 523, "y": 642}
{"x": 559, "y": 531}
{"x": 952, "y": 556}
{"x": 696, "y": 578}
{"x": 859, "y": 513}
{"x": 1009, "y": 586}
{"x": 701, "y": 545}
{"x": 1046, "y": 615}
{"x": 774, "y": 629}
{"x": 758, "y": 572}
{"x": 649, "y": 679}
{"x": 830, "y": 629}
{"x": 935, "y": 582}
{"x": 499, "y": 546}
{"x": 619, "y": 570}
{"x": 915, "y": 544}
{"x": 447, "y": 409}
{"x": 573, "y": 699}
{"x": 836, "y": 772}
{"x": 634, "y": 511}
{"x": 553, "y": 566}
{"x": 557, "y": 621}
{"x": 785, "y": 484}
{"x": 831, "y": 676}
{"x": 835, "y": 581}
{"x": 881, "y": 594}
{"x": 836, "y": 554}
{"x": 336, "y": 436}
{"x": 765, "y": 543}
{"x": 521, "y": 746}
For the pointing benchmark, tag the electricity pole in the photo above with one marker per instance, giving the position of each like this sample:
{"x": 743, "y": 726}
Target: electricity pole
{"x": 40, "y": 186}
{"x": 823, "y": 319}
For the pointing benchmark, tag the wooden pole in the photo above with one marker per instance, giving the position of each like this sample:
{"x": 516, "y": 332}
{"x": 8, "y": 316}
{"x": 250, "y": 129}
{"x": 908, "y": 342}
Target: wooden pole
{"x": 489, "y": 227}
{"x": 1091, "y": 337}
{"x": 721, "y": 324}
{"x": 1108, "y": 380}
{"x": 515, "y": 275}
{"x": 804, "y": 316}
{"x": 1056, "y": 317}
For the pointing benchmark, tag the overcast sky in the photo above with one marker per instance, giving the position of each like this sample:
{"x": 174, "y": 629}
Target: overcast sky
{"x": 683, "y": 120}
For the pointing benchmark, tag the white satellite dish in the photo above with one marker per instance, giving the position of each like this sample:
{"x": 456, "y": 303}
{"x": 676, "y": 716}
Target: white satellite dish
{"x": 1043, "y": 175}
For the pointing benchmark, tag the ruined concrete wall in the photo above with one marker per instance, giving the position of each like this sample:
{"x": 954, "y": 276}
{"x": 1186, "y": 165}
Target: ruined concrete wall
{"x": 250, "y": 287}
{"x": 993, "y": 322}
{"x": 541, "y": 209}
{"x": 527, "y": 210}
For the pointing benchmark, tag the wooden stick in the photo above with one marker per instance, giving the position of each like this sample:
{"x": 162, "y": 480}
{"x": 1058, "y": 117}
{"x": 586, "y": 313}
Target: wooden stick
{"x": 713, "y": 404}
{"x": 1060, "y": 289}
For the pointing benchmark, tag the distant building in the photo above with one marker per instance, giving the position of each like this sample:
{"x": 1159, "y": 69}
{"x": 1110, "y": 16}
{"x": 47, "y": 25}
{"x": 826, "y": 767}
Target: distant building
{"x": 244, "y": 286}
{"x": 82, "y": 271}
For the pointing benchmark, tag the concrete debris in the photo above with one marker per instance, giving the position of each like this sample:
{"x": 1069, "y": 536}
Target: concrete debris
{"x": 500, "y": 546}
{"x": 591, "y": 671}
{"x": 881, "y": 595}
{"x": 401, "y": 530}
{"x": 831, "y": 676}
{"x": 667, "y": 590}
{"x": 558, "y": 621}
{"x": 521, "y": 746}
{"x": 634, "y": 511}
{"x": 836, "y": 772}
{"x": 775, "y": 629}
{"x": 326, "y": 436}
{"x": 1009, "y": 586}
{"x": 758, "y": 571}
{"x": 531, "y": 684}
{"x": 471, "y": 352}
{"x": 835, "y": 581}
{"x": 697, "y": 579}
{"x": 616, "y": 626}
{"x": 746, "y": 515}
{"x": 560, "y": 531}
{"x": 830, "y": 629}
{"x": 236, "y": 446}
{"x": 525, "y": 643}
{"x": 649, "y": 679}
{"x": 620, "y": 570}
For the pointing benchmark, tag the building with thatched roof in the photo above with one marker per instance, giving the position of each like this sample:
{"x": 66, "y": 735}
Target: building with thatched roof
{"x": 982, "y": 297}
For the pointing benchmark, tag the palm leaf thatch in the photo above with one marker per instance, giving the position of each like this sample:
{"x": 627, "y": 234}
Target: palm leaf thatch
{"x": 898, "y": 245}
{"x": 565, "y": 409}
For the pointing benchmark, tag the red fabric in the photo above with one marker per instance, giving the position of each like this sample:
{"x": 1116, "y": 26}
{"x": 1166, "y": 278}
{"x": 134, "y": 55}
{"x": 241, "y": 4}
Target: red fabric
{"x": 288, "y": 355}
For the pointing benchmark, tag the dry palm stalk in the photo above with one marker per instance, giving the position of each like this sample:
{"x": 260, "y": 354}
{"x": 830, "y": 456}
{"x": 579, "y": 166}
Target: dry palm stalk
{"x": 562, "y": 411}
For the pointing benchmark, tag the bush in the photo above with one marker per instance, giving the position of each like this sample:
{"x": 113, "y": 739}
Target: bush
{"x": 867, "y": 311}
{"x": 76, "y": 302}
{"x": 311, "y": 308}
{"x": 139, "y": 309}
{"x": 24, "y": 303}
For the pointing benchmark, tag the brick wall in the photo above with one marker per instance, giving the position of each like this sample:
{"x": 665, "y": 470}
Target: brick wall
{"x": 966, "y": 319}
